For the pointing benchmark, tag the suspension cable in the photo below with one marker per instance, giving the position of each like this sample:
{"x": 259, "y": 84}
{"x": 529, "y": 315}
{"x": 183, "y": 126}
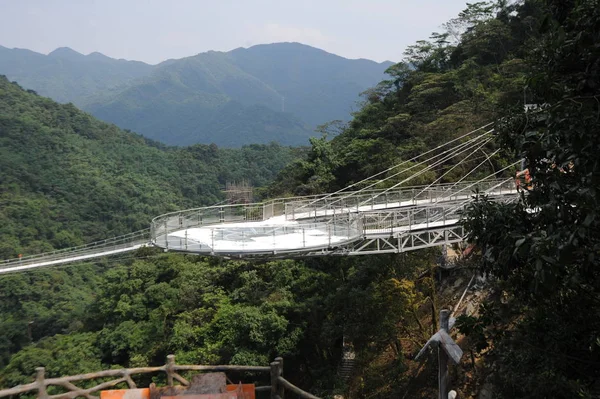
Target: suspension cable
{"x": 455, "y": 166}
{"x": 475, "y": 168}
{"x": 463, "y": 148}
{"x": 461, "y": 204}
{"x": 487, "y": 177}
{"x": 451, "y": 151}
{"x": 400, "y": 164}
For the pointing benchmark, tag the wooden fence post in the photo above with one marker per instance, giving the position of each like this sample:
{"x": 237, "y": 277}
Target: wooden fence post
{"x": 41, "y": 385}
{"x": 170, "y": 367}
{"x": 280, "y": 387}
{"x": 274, "y": 376}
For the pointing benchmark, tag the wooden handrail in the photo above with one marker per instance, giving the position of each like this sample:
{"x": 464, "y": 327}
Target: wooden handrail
{"x": 295, "y": 389}
{"x": 277, "y": 387}
{"x": 280, "y": 384}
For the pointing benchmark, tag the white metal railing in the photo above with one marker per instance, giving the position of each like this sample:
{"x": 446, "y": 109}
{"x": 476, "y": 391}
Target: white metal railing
{"x": 265, "y": 238}
{"x": 365, "y": 201}
{"x": 307, "y": 207}
{"x": 416, "y": 218}
{"x": 340, "y": 224}
{"x": 98, "y": 247}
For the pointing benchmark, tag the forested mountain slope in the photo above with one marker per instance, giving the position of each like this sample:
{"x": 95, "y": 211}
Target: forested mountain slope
{"x": 318, "y": 86}
{"x": 67, "y": 178}
{"x": 228, "y": 98}
{"x": 236, "y": 97}
{"x": 66, "y": 75}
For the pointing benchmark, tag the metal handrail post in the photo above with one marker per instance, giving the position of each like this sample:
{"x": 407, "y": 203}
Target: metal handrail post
{"x": 348, "y": 225}
{"x": 166, "y": 234}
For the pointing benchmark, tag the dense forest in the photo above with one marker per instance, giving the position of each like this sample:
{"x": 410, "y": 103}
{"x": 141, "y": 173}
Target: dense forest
{"x": 536, "y": 332}
{"x": 67, "y": 178}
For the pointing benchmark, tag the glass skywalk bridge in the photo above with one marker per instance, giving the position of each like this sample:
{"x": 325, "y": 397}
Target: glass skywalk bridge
{"x": 345, "y": 223}
{"x": 348, "y": 223}
{"x": 366, "y": 221}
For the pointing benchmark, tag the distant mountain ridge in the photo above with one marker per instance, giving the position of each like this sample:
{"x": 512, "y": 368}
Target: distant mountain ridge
{"x": 66, "y": 75}
{"x": 273, "y": 92}
{"x": 312, "y": 80}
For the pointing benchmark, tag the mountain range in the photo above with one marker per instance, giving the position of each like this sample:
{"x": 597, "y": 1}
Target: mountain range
{"x": 273, "y": 92}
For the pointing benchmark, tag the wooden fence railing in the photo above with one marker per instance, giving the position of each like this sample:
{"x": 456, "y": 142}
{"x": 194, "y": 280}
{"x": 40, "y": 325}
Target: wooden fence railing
{"x": 171, "y": 369}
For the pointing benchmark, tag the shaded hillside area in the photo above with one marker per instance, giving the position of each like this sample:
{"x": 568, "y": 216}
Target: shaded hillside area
{"x": 277, "y": 92}
{"x": 67, "y": 178}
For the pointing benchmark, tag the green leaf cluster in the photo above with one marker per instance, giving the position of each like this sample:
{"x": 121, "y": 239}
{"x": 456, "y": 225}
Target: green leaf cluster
{"x": 545, "y": 249}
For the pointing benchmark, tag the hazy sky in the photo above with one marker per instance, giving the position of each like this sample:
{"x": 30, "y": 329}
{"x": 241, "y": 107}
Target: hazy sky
{"x": 155, "y": 30}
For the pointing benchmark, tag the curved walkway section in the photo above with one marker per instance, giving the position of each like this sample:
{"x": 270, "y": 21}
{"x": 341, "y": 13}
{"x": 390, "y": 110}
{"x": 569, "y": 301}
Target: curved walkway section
{"x": 345, "y": 223}
{"x": 320, "y": 225}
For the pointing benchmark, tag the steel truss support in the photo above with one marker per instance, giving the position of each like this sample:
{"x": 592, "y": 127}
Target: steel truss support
{"x": 400, "y": 242}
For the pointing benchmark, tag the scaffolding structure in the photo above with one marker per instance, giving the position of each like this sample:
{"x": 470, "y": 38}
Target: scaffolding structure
{"x": 239, "y": 193}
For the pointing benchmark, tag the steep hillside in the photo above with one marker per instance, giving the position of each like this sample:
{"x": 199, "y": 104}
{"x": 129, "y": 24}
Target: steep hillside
{"x": 534, "y": 336}
{"x": 66, "y": 75}
{"x": 66, "y": 177}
